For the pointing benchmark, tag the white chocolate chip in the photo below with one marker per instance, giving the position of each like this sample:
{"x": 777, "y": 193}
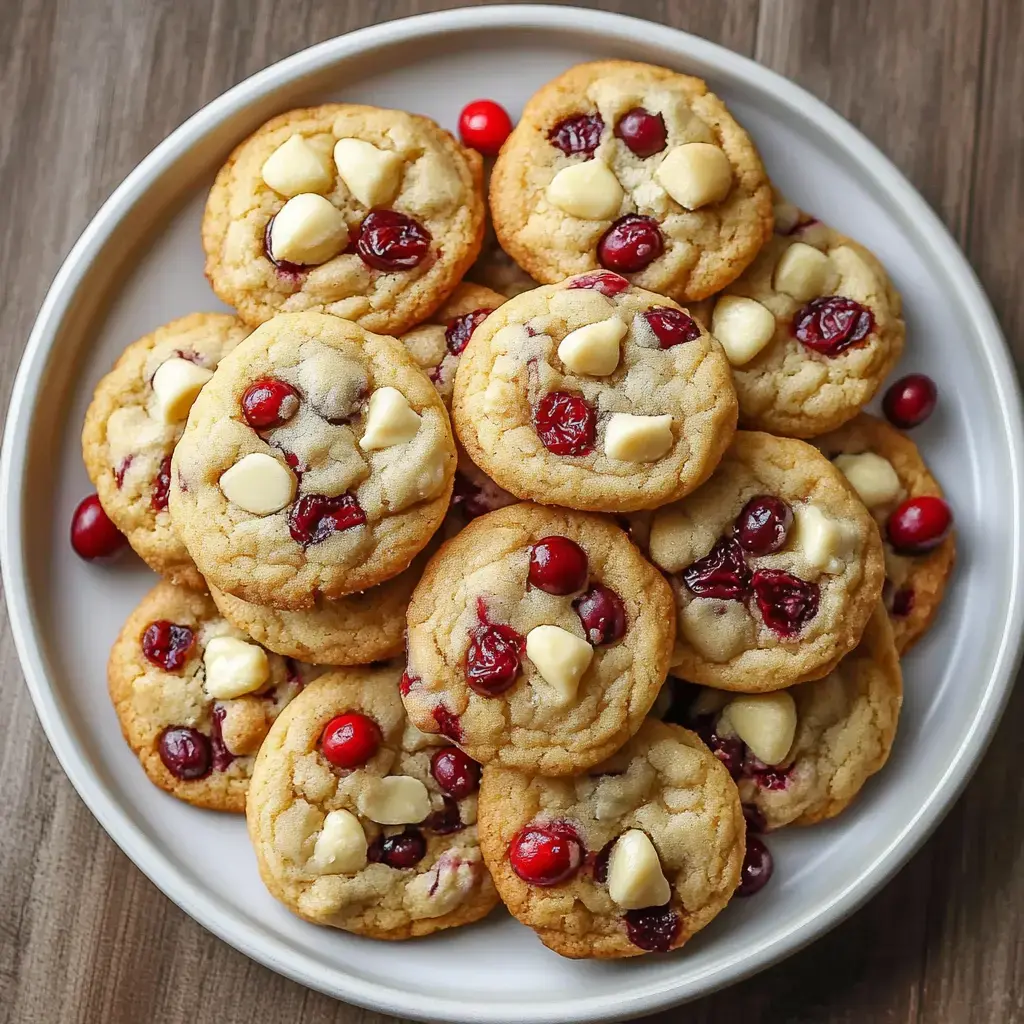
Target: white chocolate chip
{"x": 233, "y": 667}
{"x": 308, "y": 230}
{"x": 588, "y": 190}
{"x": 804, "y": 273}
{"x": 635, "y": 878}
{"x": 394, "y": 800}
{"x": 695, "y": 174}
{"x": 390, "y": 420}
{"x": 341, "y": 846}
{"x": 372, "y": 175}
{"x": 709, "y": 701}
{"x": 871, "y": 476}
{"x": 766, "y": 722}
{"x": 259, "y": 484}
{"x": 787, "y": 216}
{"x": 176, "y": 385}
{"x": 593, "y": 348}
{"x": 561, "y": 658}
{"x": 637, "y": 438}
{"x": 823, "y": 541}
{"x": 296, "y": 166}
{"x": 743, "y": 326}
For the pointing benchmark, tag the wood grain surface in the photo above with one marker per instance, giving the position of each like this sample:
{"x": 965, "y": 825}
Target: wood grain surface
{"x": 88, "y": 87}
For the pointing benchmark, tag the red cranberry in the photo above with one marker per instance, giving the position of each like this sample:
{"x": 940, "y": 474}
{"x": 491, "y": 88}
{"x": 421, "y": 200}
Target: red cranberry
{"x": 602, "y": 614}
{"x": 406, "y": 683}
{"x": 757, "y": 867}
{"x": 389, "y": 240}
{"x": 722, "y": 573}
{"x": 653, "y": 928}
{"x": 456, "y": 772}
{"x": 286, "y": 269}
{"x": 546, "y": 854}
{"x": 630, "y": 244}
{"x": 222, "y": 757}
{"x": 558, "y": 566}
{"x": 910, "y": 400}
{"x": 484, "y": 125}
{"x": 919, "y": 525}
{"x": 787, "y": 603}
{"x": 831, "y": 324}
{"x": 599, "y": 862}
{"x": 603, "y": 281}
{"x": 185, "y": 752}
{"x": 477, "y": 499}
{"x": 460, "y": 330}
{"x": 565, "y": 423}
{"x": 763, "y": 524}
{"x": 767, "y": 776}
{"x": 404, "y": 850}
{"x": 580, "y": 133}
{"x": 671, "y": 326}
{"x": 492, "y": 661}
{"x": 161, "y": 485}
{"x": 643, "y": 132}
{"x": 167, "y": 644}
{"x": 93, "y": 535}
{"x": 269, "y": 403}
{"x": 447, "y": 820}
{"x": 314, "y": 517}
{"x": 350, "y": 740}
{"x": 448, "y": 722}
{"x": 902, "y": 603}
{"x": 121, "y": 469}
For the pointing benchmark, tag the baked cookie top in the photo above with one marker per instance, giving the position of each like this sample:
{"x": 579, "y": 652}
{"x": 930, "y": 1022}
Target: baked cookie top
{"x": 636, "y": 169}
{"x": 776, "y": 567}
{"x": 886, "y": 470}
{"x": 538, "y": 639}
{"x": 361, "y": 822}
{"x": 136, "y": 416}
{"x": 316, "y": 463}
{"x": 801, "y": 755}
{"x": 812, "y": 328}
{"x": 635, "y": 856}
{"x": 594, "y": 394}
{"x": 195, "y": 696}
{"x": 373, "y": 215}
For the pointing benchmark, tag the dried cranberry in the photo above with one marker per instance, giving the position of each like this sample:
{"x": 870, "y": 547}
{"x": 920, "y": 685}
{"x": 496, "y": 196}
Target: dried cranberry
{"x": 600, "y": 862}
{"x": 831, "y": 324}
{"x": 121, "y": 469}
{"x": 757, "y": 867}
{"x": 447, "y": 722}
{"x": 222, "y": 757}
{"x": 602, "y": 614}
{"x": 630, "y": 244}
{"x": 93, "y": 535}
{"x": 768, "y": 776}
{"x": 919, "y": 525}
{"x": 653, "y": 928}
{"x": 546, "y": 854}
{"x": 185, "y": 752}
{"x": 565, "y": 423}
{"x": 161, "y": 485}
{"x": 455, "y": 771}
{"x": 389, "y": 240}
{"x": 315, "y": 517}
{"x": 268, "y": 403}
{"x": 580, "y": 133}
{"x": 910, "y": 400}
{"x": 722, "y": 573}
{"x": 558, "y": 566}
{"x": 786, "y": 602}
{"x": 671, "y": 326}
{"x": 492, "y": 661}
{"x": 404, "y": 850}
{"x": 445, "y": 821}
{"x": 902, "y": 602}
{"x": 288, "y": 270}
{"x": 643, "y": 132}
{"x": 167, "y": 645}
{"x": 350, "y": 740}
{"x": 406, "y": 683}
{"x": 763, "y": 524}
{"x": 461, "y": 328}
{"x": 603, "y": 281}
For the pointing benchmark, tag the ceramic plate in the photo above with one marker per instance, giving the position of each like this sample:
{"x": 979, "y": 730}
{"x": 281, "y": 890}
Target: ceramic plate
{"x": 139, "y": 264}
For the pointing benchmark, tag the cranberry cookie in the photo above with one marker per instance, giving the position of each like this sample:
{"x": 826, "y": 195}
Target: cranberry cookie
{"x": 595, "y": 395}
{"x": 636, "y": 169}
{"x": 372, "y": 215}
{"x": 136, "y": 416}
{"x": 776, "y": 567}
{"x": 812, "y": 329}
{"x": 195, "y": 697}
{"x": 801, "y": 755}
{"x": 538, "y": 639}
{"x": 360, "y": 821}
{"x": 437, "y": 346}
{"x": 635, "y": 856}
{"x": 886, "y": 470}
{"x": 317, "y": 463}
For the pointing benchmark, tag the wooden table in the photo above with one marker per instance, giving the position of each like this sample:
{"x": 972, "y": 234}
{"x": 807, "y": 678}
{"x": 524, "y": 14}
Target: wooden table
{"x": 89, "y": 87}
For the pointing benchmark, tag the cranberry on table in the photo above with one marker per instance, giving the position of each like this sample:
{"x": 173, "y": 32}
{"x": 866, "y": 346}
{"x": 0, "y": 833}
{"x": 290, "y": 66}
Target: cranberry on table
{"x": 671, "y": 326}
{"x": 763, "y": 524}
{"x": 757, "y": 867}
{"x": 546, "y": 854}
{"x": 558, "y": 566}
{"x": 580, "y": 133}
{"x": 455, "y": 771}
{"x": 832, "y": 323}
{"x": 919, "y": 525}
{"x": 786, "y": 602}
{"x": 315, "y": 517}
{"x": 722, "y": 573}
{"x": 602, "y": 614}
{"x": 603, "y": 281}
{"x": 167, "y": 645}
{"x": 492, "y": 661}
{"x": 566, "y": 423}
{"x": 653, "y": 928}
{"x": 404, "y": 850}
{"x": 269, "y": 403}
{"x": 643, "y": 132}
{"x": 461, "y": 328}
{"x": 910, "y": 400}
{"x": 350, "y": 740}
{"x": 484, "y": 125}
{"x": 185, "y": 752}
{"x": 389, "y": 240}
{"x": 630, "y": 244}
{"x": 93, "y": 535}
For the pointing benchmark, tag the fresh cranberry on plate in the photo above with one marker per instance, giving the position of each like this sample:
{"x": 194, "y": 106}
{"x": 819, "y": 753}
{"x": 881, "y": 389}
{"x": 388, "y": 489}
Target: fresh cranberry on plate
{"x": 484, "y": 125}
{"x": 93, "y": 535}
{"x": 910, "y": 400}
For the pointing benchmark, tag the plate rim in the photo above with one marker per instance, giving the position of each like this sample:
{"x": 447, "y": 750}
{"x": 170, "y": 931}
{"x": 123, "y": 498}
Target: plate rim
{"x": 194, "y": 899}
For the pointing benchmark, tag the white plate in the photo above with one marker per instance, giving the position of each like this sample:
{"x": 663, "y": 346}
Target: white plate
{"x": 139, "y": 264}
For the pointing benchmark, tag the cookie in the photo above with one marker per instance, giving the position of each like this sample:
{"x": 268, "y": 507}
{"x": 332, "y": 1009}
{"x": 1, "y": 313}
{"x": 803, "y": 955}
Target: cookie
{"x": 595, "y": 395}
{"x": 136, "y": 416}
{"x": 538, "y": 639}
{"x": 373, "y": 215}
{"x": 361, "y": 822}
{"x": 474, "y": 494}
{"x": 886, "y": 468}
{"x": 635, "y": 856}
{"x": 195, "y": 697}
{"x": 812, "y": 329}
{"x": 437, "y": 346}
{"x": 801, "y": 755}
{"x": 495, "y": 269}
{"x": 316, "y": 463}
{"x": 776, "y": 567}
{"x": 636, "y": 169}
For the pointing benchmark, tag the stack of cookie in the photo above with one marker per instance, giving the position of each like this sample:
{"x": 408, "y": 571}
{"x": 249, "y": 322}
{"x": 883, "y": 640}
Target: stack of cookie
{"x": 470, "y": 598}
